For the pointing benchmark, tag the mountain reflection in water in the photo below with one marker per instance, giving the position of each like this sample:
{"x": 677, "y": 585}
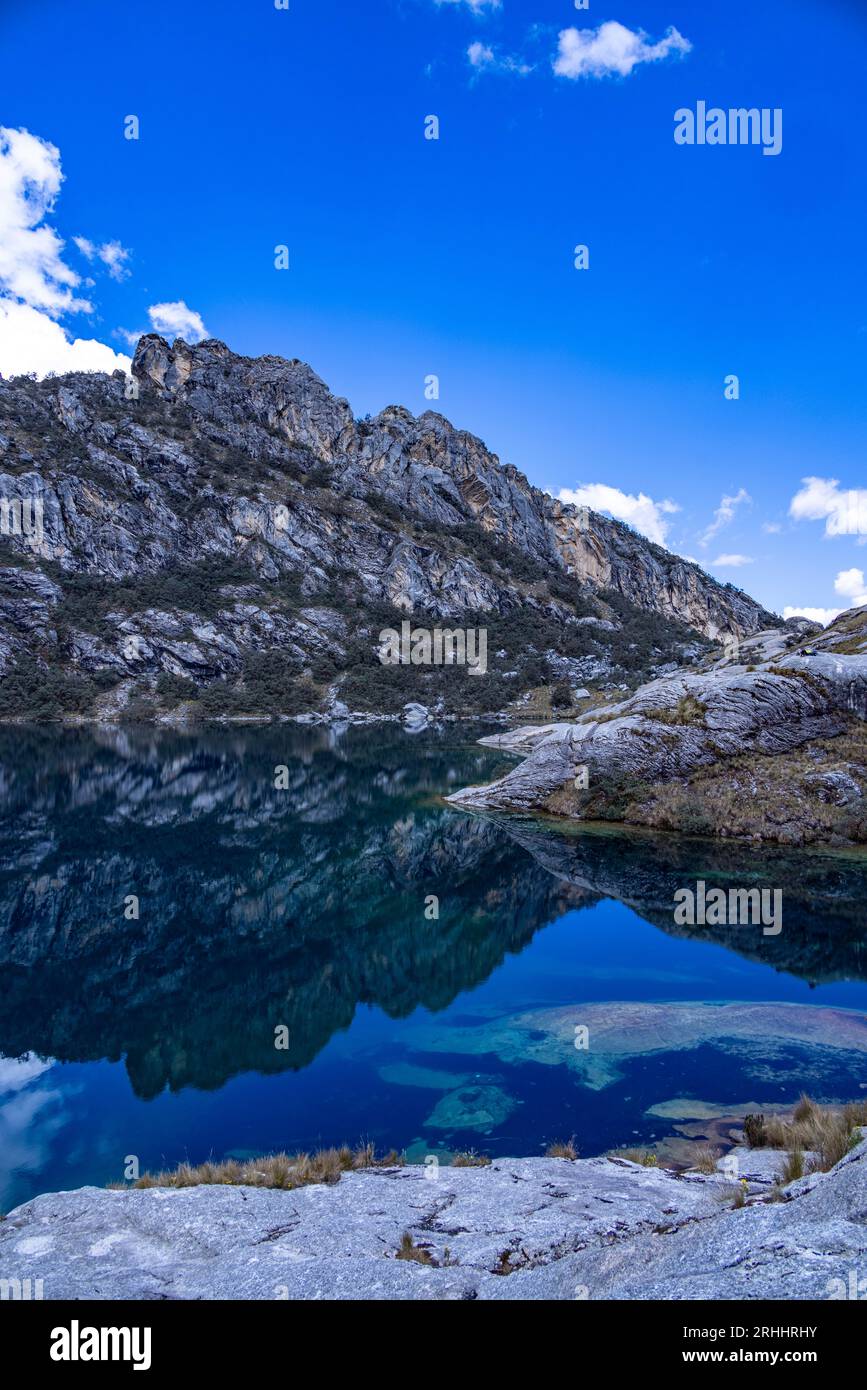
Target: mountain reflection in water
{"x": 261, "y": 908}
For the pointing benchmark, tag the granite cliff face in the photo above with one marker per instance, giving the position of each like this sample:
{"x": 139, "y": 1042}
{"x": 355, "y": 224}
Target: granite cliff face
{"x": 224, "y": 524}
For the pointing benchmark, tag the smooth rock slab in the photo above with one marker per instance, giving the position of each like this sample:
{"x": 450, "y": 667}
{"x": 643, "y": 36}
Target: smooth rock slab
{"x": 596, "y": 1229}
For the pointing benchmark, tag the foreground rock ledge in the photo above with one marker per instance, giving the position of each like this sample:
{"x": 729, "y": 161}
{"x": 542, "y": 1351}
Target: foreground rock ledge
{"x": 593, "y": 1229}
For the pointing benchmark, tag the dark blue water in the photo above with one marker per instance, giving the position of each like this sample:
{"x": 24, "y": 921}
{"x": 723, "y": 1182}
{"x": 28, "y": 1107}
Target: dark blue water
{"x": 304, "y": 909}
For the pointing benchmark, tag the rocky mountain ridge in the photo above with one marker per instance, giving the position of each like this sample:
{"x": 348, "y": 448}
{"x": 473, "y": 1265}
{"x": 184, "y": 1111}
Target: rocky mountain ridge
{"x": 221, "y": 531}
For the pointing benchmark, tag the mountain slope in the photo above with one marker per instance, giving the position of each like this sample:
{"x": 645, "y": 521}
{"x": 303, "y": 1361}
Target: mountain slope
{"x": 232, "y": 536}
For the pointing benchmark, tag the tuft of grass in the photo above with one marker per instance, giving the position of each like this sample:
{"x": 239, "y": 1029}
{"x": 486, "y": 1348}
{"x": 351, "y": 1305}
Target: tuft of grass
{"x": 689, "y": 710}
{"x": 563, "y": 1149}
{"x": 470, "y": 1159}
{"x": 282, "y": 1170}
{"x": 646, "y": 1157}
{"x": 706, "y": 1159}
{"x": 734, "y": 1196}
{"x": 828, "y": 1131}
{"x": 408, "y": 1250}
{"x": 793, "y": 1168}
{"x": 806, "y": 1109}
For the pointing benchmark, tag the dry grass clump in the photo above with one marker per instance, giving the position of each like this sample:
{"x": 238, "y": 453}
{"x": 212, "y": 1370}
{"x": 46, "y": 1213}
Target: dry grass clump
{"x": 737, "y": 1195}
{"x": 408, "y": 1250}
{"x": 470, "y": 1159}
{"x": 563, "y": 1149}
{"x": 689, "y": 710}
{"x": 793, "y": 1167}
{"x": 646, "y": 1157}
{"x": 827, "y": 1131}
{"x": 706, "y": 1159}
{"x": 282, "y": 1170}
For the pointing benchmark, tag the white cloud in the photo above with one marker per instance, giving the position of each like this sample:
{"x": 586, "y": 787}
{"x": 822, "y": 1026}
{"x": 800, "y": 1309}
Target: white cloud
{"x": 37, "y": 287}
{"x": 480, "y": 55}
{"x": 642, "y": 512}
{"x": 850, "y": 584}
{"x": 816, "y": 615}
{"x": 771, "y": 528}
{"x": 113, "y": 256}
{"x": 844, "y": 511}
{"x": 33, "y": 342}
{"x": 725, "y": 513}
{"x": 731, "y": 562}
{"x": 612, "y": 48}
{"x": 31, "y": 262}
{"x": 484, "y": 59}
{"x": 176, "y": 320}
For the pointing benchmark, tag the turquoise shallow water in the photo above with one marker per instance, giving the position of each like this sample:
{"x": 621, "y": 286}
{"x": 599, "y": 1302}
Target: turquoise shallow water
{"x": 303, "y": 913}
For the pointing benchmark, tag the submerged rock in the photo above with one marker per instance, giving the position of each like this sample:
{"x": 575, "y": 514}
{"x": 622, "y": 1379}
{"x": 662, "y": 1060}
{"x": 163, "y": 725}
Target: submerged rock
{"x": 476, "y": 1107}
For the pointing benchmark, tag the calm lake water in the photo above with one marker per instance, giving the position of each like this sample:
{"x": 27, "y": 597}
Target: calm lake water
{"x": 303, "y": 914}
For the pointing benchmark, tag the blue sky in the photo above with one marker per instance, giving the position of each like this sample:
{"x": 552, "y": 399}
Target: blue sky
{"x": 409, "y": 257}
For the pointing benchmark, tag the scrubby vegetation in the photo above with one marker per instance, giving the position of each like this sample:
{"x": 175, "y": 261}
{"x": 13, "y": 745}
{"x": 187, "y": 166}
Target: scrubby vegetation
{"x": 828, "y": 1132}
{"x": 281, "y": 1170}
{"x": 645, "y": 1157}
{"x": 687, "y": 711}
{"x": 562, "y": 1149}
{"x": 788, "y": 798}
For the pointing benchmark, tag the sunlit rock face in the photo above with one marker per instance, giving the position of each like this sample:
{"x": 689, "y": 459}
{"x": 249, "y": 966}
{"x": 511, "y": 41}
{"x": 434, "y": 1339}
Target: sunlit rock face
{"x": 185, "y": 517}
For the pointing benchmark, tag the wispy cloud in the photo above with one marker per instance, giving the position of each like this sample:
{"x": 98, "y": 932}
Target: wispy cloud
{"x": 484, "y": 58}
{"x": 477, "y": 6}
{"x": 725, "y": 513}
{"x": 612, "y": 49}
{"x": 640, "y": 511}
{"x": 112, "y": 255}
{"x": 731, "y": 562}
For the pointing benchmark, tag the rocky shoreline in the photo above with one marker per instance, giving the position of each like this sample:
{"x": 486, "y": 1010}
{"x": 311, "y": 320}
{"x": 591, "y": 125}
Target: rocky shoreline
{"x": 772, "y": 746}
{"x": 537, "y": 1228}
